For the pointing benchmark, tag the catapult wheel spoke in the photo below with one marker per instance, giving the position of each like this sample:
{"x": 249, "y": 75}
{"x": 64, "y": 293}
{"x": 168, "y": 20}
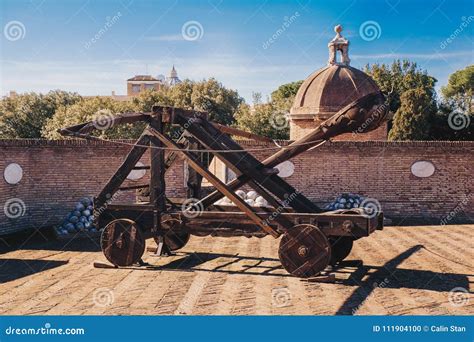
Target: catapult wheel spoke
{"x": 304, "y": 251}
{"x": 122, "y": 242}
{"x": 176, "y": 237}
{"x": 341, "y": 247}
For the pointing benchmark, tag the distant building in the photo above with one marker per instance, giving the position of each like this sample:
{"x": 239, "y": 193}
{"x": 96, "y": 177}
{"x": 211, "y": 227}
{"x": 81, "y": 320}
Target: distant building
{"x": 139, "y": 83}
{"x": 173, "y": 79}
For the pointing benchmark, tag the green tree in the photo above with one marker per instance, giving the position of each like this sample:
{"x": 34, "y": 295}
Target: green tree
{"x": 263, "y": 119}
{"x": 412, "y": 119}
{"x": 459, "y": 91}
{"x": 283, "y": 97}
{"x": 23, "y": 116}
{"x": 207, "y": 95}
{"x": 98, "y": 110}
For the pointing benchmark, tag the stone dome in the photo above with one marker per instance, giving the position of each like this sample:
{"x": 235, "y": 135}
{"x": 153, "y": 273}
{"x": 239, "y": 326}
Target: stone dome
{"x": 331, "y": 88}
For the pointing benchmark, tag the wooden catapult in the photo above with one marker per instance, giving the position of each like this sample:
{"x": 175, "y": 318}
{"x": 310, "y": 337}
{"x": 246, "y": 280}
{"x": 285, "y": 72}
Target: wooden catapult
{"x": 311, "y": 238}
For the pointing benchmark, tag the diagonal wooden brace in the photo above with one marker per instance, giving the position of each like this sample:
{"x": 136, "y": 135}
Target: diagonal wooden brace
{"x": 239, "y": 202}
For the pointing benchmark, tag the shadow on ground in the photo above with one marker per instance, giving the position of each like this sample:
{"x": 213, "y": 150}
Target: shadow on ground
{"x": 11, "y": 269}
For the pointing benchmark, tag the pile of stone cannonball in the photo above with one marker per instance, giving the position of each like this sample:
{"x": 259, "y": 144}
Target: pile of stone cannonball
{"x": 80, "y": 219}
{"x": 251, "y": 198}
{"x": 346, "y": 201}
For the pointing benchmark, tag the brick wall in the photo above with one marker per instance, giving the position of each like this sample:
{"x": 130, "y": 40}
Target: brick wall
{"x": 58, "y": 173}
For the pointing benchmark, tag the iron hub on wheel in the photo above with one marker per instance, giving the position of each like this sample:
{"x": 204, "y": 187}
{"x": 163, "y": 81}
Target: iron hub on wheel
{"x": 122, "y": 242}
{"x": 304, "y": 251}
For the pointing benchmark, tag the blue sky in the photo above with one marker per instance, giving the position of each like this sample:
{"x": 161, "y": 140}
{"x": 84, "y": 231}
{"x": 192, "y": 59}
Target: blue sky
{"x": 48, "y": 44}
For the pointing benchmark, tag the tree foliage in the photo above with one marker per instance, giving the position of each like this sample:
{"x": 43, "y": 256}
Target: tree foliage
{"x": 98, "y": 110}
{"x": 412, "y": 119}
{"x": 400, "y": 77}
{"x": 459, "y": 91}
{"x": 263, "y": 119}
{"x": 23, "y": 116}
{"x": 208, "y": 95}
{"x": 283, "y": 97}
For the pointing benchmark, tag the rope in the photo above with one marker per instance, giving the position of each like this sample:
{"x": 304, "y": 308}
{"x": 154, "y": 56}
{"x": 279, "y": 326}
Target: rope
{"x": 442, "y": 256}
{"x": 277, "y": 146}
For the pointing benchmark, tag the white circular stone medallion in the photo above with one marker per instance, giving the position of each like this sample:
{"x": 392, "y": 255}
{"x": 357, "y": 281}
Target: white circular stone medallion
{"x": 13, "y": 173}
{"x": 137, "y": 174}
{"x": 286, "y": 169}
{"x": 423, "y": 169}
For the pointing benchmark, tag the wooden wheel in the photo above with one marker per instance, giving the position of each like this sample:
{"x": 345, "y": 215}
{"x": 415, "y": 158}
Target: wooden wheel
{"x": 304, "y": 251}
{"x": 176, "y": 237}
{"x": 122, "y": 242}
{"x": 341, "y": 247}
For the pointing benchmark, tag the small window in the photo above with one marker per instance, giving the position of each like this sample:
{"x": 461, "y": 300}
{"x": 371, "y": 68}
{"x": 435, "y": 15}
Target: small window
{"x": 135, "y": 88}
{"x": 149, "y": 86}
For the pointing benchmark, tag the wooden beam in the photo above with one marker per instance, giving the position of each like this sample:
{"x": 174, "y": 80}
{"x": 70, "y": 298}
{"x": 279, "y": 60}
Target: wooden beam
{"x": 245, "y": 164}
{"x": 88, "y": 127}
{"x": 157, "y": 170}
{"x": 240, "y": 133}
{"x": 122, "y": 172}
{"x": 239, "y": 202}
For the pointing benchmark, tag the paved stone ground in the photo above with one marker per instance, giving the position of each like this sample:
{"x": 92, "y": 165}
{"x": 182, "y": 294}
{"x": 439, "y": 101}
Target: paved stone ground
{"x": 399, "y": 271}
